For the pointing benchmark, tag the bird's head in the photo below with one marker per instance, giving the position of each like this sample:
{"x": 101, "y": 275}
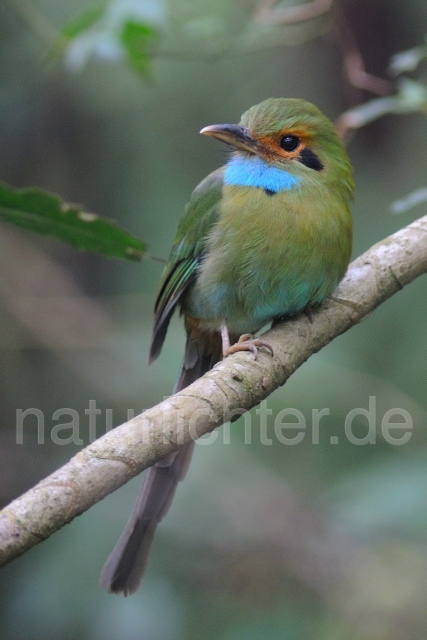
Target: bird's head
{"x": 289, "y": 134}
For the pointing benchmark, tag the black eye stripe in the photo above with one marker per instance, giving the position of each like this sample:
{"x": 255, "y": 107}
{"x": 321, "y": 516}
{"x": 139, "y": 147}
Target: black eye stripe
{"x": 310, "y": 160}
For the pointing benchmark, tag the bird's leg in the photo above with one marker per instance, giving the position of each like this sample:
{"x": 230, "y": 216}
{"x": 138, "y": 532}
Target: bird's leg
{"x": 309, "y": 313}
{"x": 225, "y": 338}
{"x": 246, "y": 342}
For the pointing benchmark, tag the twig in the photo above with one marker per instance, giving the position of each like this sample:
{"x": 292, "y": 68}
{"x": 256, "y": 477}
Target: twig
{"x": 354, "y": 65}
{"x": 267, "y": 13}
{"x": 239, "y": 382}
{"x": 37, "y": 23}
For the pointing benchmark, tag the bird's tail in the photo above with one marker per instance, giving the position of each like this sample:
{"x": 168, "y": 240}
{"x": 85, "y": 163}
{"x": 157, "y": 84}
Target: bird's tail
{"x": 125, "y": 567}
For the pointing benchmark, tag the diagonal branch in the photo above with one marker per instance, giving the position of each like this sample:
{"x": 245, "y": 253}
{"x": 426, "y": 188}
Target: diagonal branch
{"x": 236, "y": 384}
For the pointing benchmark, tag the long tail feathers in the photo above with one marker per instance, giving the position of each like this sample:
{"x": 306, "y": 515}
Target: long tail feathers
{"x": 125, "y": 567}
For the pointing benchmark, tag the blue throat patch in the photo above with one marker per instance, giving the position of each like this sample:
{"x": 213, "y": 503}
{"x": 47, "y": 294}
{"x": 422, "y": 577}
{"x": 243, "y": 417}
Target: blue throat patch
{"x": 254, "y": 172}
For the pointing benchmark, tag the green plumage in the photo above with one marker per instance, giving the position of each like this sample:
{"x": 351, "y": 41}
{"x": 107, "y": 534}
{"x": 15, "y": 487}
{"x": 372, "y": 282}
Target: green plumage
{"x": 243, "y": 257}
{"x": 265, "y": 236}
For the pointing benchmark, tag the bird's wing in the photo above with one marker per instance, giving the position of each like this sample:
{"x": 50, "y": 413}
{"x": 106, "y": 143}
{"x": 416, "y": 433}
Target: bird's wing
{"x": 200, "y": 215}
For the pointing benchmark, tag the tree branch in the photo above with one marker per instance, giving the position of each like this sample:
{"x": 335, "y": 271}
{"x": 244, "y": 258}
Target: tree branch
{"x": 234, "y": 385}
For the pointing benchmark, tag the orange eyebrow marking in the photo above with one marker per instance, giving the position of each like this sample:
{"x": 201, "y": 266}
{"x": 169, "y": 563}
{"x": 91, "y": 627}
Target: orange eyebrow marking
{"x": 271, "y": 143}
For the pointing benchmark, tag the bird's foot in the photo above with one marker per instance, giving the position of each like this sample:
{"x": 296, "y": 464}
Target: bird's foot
{"x": 247, "y": 342}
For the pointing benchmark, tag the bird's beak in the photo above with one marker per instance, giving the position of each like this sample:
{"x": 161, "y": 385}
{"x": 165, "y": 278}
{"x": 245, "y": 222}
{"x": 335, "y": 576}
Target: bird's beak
{"x": 233, "y": 134}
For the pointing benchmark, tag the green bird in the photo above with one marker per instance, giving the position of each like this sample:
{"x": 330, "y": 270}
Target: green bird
{"x": 264, "y": 237}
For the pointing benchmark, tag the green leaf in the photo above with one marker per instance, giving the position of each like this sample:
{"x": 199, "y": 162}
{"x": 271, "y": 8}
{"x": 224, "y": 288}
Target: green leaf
{"x": 137, "y": 38}
{"x": 84, "y": 21}
{"x": 45, "y": 213}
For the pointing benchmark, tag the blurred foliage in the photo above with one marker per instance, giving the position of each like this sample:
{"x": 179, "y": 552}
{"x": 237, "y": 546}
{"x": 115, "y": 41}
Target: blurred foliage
{"x": 36, "y": 210}
{"x": 325, "y": 539}
{"x": 111, "y": 31}
{"x": 410, "y": 93}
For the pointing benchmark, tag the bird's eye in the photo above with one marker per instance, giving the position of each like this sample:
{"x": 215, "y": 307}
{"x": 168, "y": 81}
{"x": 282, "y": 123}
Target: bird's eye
{"x": 289, "y": 143}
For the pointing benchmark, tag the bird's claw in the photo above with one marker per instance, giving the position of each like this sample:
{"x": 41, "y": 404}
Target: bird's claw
{"x": 310, "y": 314}
{"x": 247, "y": 342}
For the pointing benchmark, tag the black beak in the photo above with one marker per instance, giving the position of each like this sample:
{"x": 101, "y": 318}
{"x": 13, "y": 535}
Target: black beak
{"x": 233, "y": 134}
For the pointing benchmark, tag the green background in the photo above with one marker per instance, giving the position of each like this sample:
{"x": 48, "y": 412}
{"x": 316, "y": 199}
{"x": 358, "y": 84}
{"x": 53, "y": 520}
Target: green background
{"x": 316, "y": 540}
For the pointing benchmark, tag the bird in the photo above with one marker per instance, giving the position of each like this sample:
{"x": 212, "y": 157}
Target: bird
{"x": 264, "y": 237}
